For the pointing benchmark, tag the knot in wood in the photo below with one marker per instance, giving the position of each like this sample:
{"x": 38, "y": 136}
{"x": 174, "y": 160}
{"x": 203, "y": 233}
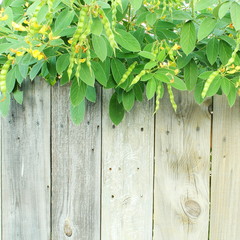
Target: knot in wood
{"x": 67, "y": 228}
{"x": 192, "y": 209}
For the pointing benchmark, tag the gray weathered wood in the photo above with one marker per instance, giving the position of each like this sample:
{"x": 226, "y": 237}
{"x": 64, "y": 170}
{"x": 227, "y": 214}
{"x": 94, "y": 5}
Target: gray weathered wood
{"x": 127, "y": 174}
{"x": 182, "y": 147}
{"x": 26, "y": 166}
{"x": 76, "y": 171}
{"x": 225, "y": 188}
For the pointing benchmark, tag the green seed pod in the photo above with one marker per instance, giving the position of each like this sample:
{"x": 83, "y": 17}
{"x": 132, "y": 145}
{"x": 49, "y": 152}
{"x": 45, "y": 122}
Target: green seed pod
{"x": 138, "y": 77}
{"x": 208, "y": 83}
{"x": 171, "y": 96}
{"x": 127, "y": 73}
{"x": 3, "y": 75}
{"x": 109, "y": 32}
{"x": 158, "y": 96}
{"x": 114, "y": 13}
{"x": 78, "y": 72}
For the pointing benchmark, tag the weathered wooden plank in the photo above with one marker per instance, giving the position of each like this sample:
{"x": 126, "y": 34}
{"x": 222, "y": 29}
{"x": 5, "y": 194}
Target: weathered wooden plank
{"x": 76, "y": 170}
{"x": 26, "y": 166}
{"x": 127, "y": 174}
{"x": 225, "y": 187}
{"x": 182, "y": 153}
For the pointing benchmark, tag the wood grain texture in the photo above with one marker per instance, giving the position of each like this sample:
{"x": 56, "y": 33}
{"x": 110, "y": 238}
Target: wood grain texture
{"x": 182, "y": 153}
{"x": 127, "y": 174}
{"x": 225, "y": 194}
{"x": 76, "y": 171}
{"x": 26, "y": 166}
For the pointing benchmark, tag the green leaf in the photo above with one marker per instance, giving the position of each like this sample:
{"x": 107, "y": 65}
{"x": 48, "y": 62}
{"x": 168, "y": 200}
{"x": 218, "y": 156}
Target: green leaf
{"x": 86, "y": 75}
{"x": 151, "y": 18}
{"x": 183, "y": 60}
{"x": 225, "y": 52}
{"x": 116, "y": 110}
{"x": 35, "y": 70}
{"x": 214, "y": 87}
{"x": 178, "y": 84}
{"x": 198, "y": 92}
{"x": 161, "y": 77}
{"x": 100, "y": 47}
{"x": 97, "y": 26}
{"x": 136, "y": 4}
{"x": 181, "y": 15}
{"x": 77, "y": 92}
{"x": 18, "y": 96}
{"x": 11, "y": 80}
{"x": 146, "y": 54}
{"x": 206, "y": 27}
{"x": 128, "y": 100}
{"x": 4, "y": 47}
{"x": 118, "y": 69}
{"x": 99, "y": 73}
{"x": 77, "y": 113}
{"x": 191, "y": 75}
{"x": 235, "y": 15}
{"x": 188, "y": 37}
{"x": 223, "y": 9}
{"x": 203, "y": 4}
{"x": 212, "y": 50}
{"x": 5, "y": 106}
{"x": 63, "y": 20}
{"x": 232, "y": 95}
{"x": 127, "y": 41}
{"x": 64, "y": 79}
{"x": 62, "y": 63}
{"x": 151, "y": 88}
{"x": 91, "y": 94}
{"x": 226, "y": 85}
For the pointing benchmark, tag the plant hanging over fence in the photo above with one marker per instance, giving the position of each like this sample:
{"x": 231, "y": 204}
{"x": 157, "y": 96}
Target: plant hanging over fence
{"x": 131, "y": 46}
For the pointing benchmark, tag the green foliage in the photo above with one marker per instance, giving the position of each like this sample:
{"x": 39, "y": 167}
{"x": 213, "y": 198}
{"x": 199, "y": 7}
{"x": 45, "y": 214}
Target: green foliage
{"x": 137, "y": 48}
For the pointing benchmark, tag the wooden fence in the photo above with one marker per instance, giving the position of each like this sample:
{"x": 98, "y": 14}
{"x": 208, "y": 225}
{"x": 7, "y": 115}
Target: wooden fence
{"x": 168, "y": 177}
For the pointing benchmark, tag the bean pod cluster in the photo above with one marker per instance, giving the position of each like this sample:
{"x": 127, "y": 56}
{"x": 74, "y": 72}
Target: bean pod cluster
{"x": 138, "y": 77}
{"x": 127, "y": 73}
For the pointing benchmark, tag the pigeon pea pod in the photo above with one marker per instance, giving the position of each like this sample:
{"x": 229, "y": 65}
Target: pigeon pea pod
{"x": 127, "y": 73}
{"x": 171, "y": 97}
{"x": 3, "y": 75}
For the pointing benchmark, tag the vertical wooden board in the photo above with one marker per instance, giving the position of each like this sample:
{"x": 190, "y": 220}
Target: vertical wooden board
{"x": 76, "y": 170}
{"x": 225, "y": 188}
{"x": 1, "y": 179}
{"x": 26, "y": 166}
{"x": 127, "y": 174}
{"x": 182, "y": 155}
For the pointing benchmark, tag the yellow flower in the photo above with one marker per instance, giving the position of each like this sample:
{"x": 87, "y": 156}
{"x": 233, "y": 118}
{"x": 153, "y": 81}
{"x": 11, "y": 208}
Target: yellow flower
{"x": 44, "y": 29}
{"x": 4, "y": 18}
{"x": 70, "y": 41}
{"x": 51, "y": 37}
{"x": 37, "y": 54}
{"x": 18, "y": 27}
{"x": 176, "y": 47}
{"x": 17, "y": 52}
{"x": 35, "y": 25}
{"x": 82, "y": 60}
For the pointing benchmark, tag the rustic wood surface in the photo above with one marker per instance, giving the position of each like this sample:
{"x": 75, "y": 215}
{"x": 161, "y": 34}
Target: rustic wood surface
{"x": 182, "y": 146}
{"x": 225, "y": 194}
{"x": 146, "y": 179}
{"x": 26, "y": 166}
{"x": 76, "y": 171}
{"x": 127, "y": 174}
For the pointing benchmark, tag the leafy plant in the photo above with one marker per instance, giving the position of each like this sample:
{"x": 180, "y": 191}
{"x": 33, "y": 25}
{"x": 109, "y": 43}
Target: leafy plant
{"x": 134, "y": 47}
